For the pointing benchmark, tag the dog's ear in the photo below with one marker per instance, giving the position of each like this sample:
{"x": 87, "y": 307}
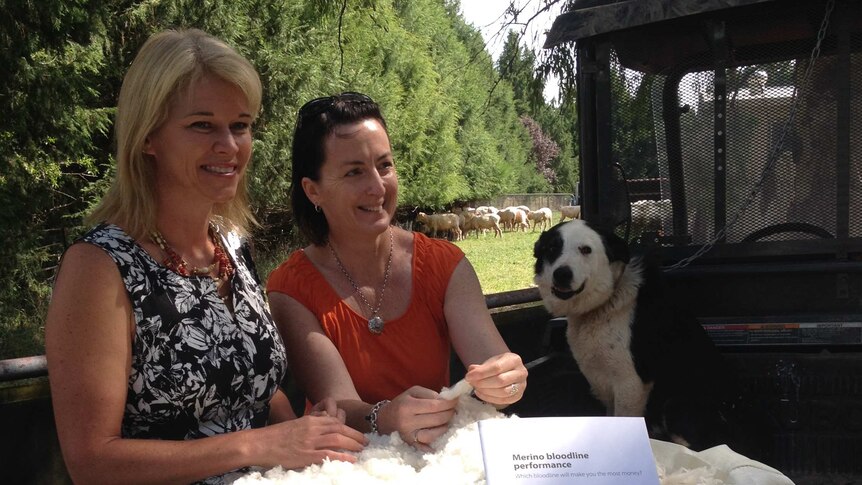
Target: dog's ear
{"x": 538, "y": 253}
{"x": 615, "y": 247}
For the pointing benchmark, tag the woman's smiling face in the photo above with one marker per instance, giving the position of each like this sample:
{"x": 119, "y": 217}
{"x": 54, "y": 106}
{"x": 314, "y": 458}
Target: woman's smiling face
{"x": 358, "y": 186}
{"x": 203, "y": 148}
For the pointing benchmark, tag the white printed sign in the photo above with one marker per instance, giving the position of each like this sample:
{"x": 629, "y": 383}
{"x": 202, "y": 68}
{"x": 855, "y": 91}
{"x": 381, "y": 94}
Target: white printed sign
{"x": 567, "y": 450}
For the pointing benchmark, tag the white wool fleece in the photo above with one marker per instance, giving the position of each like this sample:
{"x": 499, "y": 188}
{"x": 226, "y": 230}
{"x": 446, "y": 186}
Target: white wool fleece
{"x": 456, "y": 459}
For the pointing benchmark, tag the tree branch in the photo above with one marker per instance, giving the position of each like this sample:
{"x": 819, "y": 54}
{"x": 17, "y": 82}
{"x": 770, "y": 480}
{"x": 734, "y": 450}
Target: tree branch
{"x": 340, "y": 45}
{"x": 514, "y": 12}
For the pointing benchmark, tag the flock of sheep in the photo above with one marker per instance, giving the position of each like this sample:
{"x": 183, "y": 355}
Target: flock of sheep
{"x": 646, "y": 215}
{"x": 456, "y": 225}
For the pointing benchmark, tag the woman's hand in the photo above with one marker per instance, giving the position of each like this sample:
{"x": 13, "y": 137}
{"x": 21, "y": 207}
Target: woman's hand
{"x": 329, "y": 407}
{"x": 419, "y": 415}
{"x": 311, "y": 439}
{"x": 500, "y": 380}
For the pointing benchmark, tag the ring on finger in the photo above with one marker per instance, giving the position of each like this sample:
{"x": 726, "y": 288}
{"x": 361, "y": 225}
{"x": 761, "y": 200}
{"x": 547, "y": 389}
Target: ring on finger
{"x": 416, "y": 436}
{"x": 513, "y": 389}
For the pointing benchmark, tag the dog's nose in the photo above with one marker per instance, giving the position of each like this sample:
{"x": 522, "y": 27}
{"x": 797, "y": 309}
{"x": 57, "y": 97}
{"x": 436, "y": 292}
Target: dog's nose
{"x": 563, "y": 277}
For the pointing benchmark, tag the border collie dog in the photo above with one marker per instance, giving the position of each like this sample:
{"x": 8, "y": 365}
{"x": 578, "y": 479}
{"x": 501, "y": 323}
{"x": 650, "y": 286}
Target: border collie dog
{"x": 640, "y": 356}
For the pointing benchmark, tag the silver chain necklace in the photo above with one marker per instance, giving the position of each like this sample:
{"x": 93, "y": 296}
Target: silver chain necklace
{"x": 375, "y": 323}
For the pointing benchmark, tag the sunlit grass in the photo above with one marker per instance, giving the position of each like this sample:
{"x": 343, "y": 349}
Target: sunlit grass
{"x": 502, "y": 264}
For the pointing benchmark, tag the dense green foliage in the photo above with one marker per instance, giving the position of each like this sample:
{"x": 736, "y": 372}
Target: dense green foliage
{"x": 456, "y": 128}
{"x": 552, "y": 163}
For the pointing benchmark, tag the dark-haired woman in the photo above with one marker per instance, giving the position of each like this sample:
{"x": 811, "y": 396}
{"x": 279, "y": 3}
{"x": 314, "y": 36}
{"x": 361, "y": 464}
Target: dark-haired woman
{"x": 369, "y": 312}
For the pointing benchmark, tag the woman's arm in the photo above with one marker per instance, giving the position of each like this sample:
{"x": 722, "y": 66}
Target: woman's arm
{"x": 491, "y": 368}
{"x": 312, "y": 358}
{"x": 321, "y": 373}
{"x": 280, "y": 409}
{"x": 88, "y": 346}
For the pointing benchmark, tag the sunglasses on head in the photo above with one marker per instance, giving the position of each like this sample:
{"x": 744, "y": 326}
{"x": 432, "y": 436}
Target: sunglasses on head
{"x": 318, "y": 106}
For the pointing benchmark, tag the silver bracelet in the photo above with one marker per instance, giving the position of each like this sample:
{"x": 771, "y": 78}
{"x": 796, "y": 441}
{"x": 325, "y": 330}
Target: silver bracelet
{"x": 375, "y": 410}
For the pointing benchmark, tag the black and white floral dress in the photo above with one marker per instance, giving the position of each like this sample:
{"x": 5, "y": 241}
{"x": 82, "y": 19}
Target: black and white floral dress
{"x": 197, "y": 370}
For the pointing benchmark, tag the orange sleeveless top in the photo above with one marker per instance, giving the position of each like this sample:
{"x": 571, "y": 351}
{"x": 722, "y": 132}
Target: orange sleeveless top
{"x": 413, "y": 349}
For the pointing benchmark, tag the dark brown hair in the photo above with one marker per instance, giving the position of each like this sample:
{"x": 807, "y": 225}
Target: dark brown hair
{"x": 316, "y": 120}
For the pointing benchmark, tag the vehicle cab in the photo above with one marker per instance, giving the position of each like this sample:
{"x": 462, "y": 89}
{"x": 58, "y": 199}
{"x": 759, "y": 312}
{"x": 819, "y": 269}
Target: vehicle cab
{"x": 726, "y": 136}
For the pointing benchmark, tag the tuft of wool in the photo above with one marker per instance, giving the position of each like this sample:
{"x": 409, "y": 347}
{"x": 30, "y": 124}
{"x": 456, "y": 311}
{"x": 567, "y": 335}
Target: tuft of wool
{"x": 704, "y": 475}
{"x": 459, "y": 389}
{"x": 456, "y": 458}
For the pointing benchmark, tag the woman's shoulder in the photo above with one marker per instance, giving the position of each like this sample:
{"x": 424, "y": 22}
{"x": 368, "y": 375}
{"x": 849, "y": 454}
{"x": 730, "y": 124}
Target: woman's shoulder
{"x": 296, "y": 259}
{"x": 87, "y": 260}
{"x": 106, "y": 238}
{"x": 434, "y": 262}
{"x": 85, "y": 252}
{"x": 106, "y": 234}
{"x": 437, "y": 249}
{"x": 115, "y": 241}
{"x": 296, "y": 267}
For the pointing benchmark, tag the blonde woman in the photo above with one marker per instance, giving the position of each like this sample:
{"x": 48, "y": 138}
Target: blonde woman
{"x": 163, "y": 358}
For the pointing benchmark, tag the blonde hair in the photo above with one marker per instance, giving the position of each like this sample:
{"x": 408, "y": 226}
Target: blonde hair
{"x": 168, "y": 64}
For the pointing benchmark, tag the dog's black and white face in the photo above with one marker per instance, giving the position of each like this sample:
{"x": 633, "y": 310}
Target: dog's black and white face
{"x": 576, "y": 266}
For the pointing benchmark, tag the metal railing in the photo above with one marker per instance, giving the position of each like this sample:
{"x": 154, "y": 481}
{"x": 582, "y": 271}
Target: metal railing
{"x": 23, "y": 368}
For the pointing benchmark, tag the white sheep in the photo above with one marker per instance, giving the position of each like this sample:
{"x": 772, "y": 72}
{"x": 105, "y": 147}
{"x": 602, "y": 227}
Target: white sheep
{"x": 507, "y": 217}
{"x": 466, "y": 222}
{"x": 520, "y": 221}
{"x": 757, "y": 82}
{"x": 480, "y": 223}
{"x": 486, "y": 209}
{"x": 541, "y": 216}
{"x": 648, "y": 215}
{"x": 447, "y": 222}
{"x": 570, "y": 211}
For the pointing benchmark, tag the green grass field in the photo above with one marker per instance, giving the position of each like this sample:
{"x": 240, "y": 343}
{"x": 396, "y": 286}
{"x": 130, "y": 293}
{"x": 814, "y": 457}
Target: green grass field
{"x": 502, "y": 264}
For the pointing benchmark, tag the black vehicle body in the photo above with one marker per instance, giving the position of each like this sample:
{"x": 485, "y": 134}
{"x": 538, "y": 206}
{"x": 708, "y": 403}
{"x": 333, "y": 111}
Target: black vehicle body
{"x": 749, "y": 187}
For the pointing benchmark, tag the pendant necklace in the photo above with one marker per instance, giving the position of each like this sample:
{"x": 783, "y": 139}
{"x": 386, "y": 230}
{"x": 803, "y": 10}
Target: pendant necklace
{"x": 375, "y": 323}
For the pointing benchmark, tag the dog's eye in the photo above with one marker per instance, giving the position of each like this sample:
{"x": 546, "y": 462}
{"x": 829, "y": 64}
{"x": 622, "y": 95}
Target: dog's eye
{"x": 585, "y": 249}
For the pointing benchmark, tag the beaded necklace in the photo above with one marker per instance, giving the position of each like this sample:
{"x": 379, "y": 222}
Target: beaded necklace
{"x": 176, "y": 263}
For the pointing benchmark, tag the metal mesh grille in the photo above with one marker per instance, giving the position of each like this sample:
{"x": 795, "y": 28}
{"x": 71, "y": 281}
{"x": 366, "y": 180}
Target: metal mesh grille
{"x": 812, "y": 190}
